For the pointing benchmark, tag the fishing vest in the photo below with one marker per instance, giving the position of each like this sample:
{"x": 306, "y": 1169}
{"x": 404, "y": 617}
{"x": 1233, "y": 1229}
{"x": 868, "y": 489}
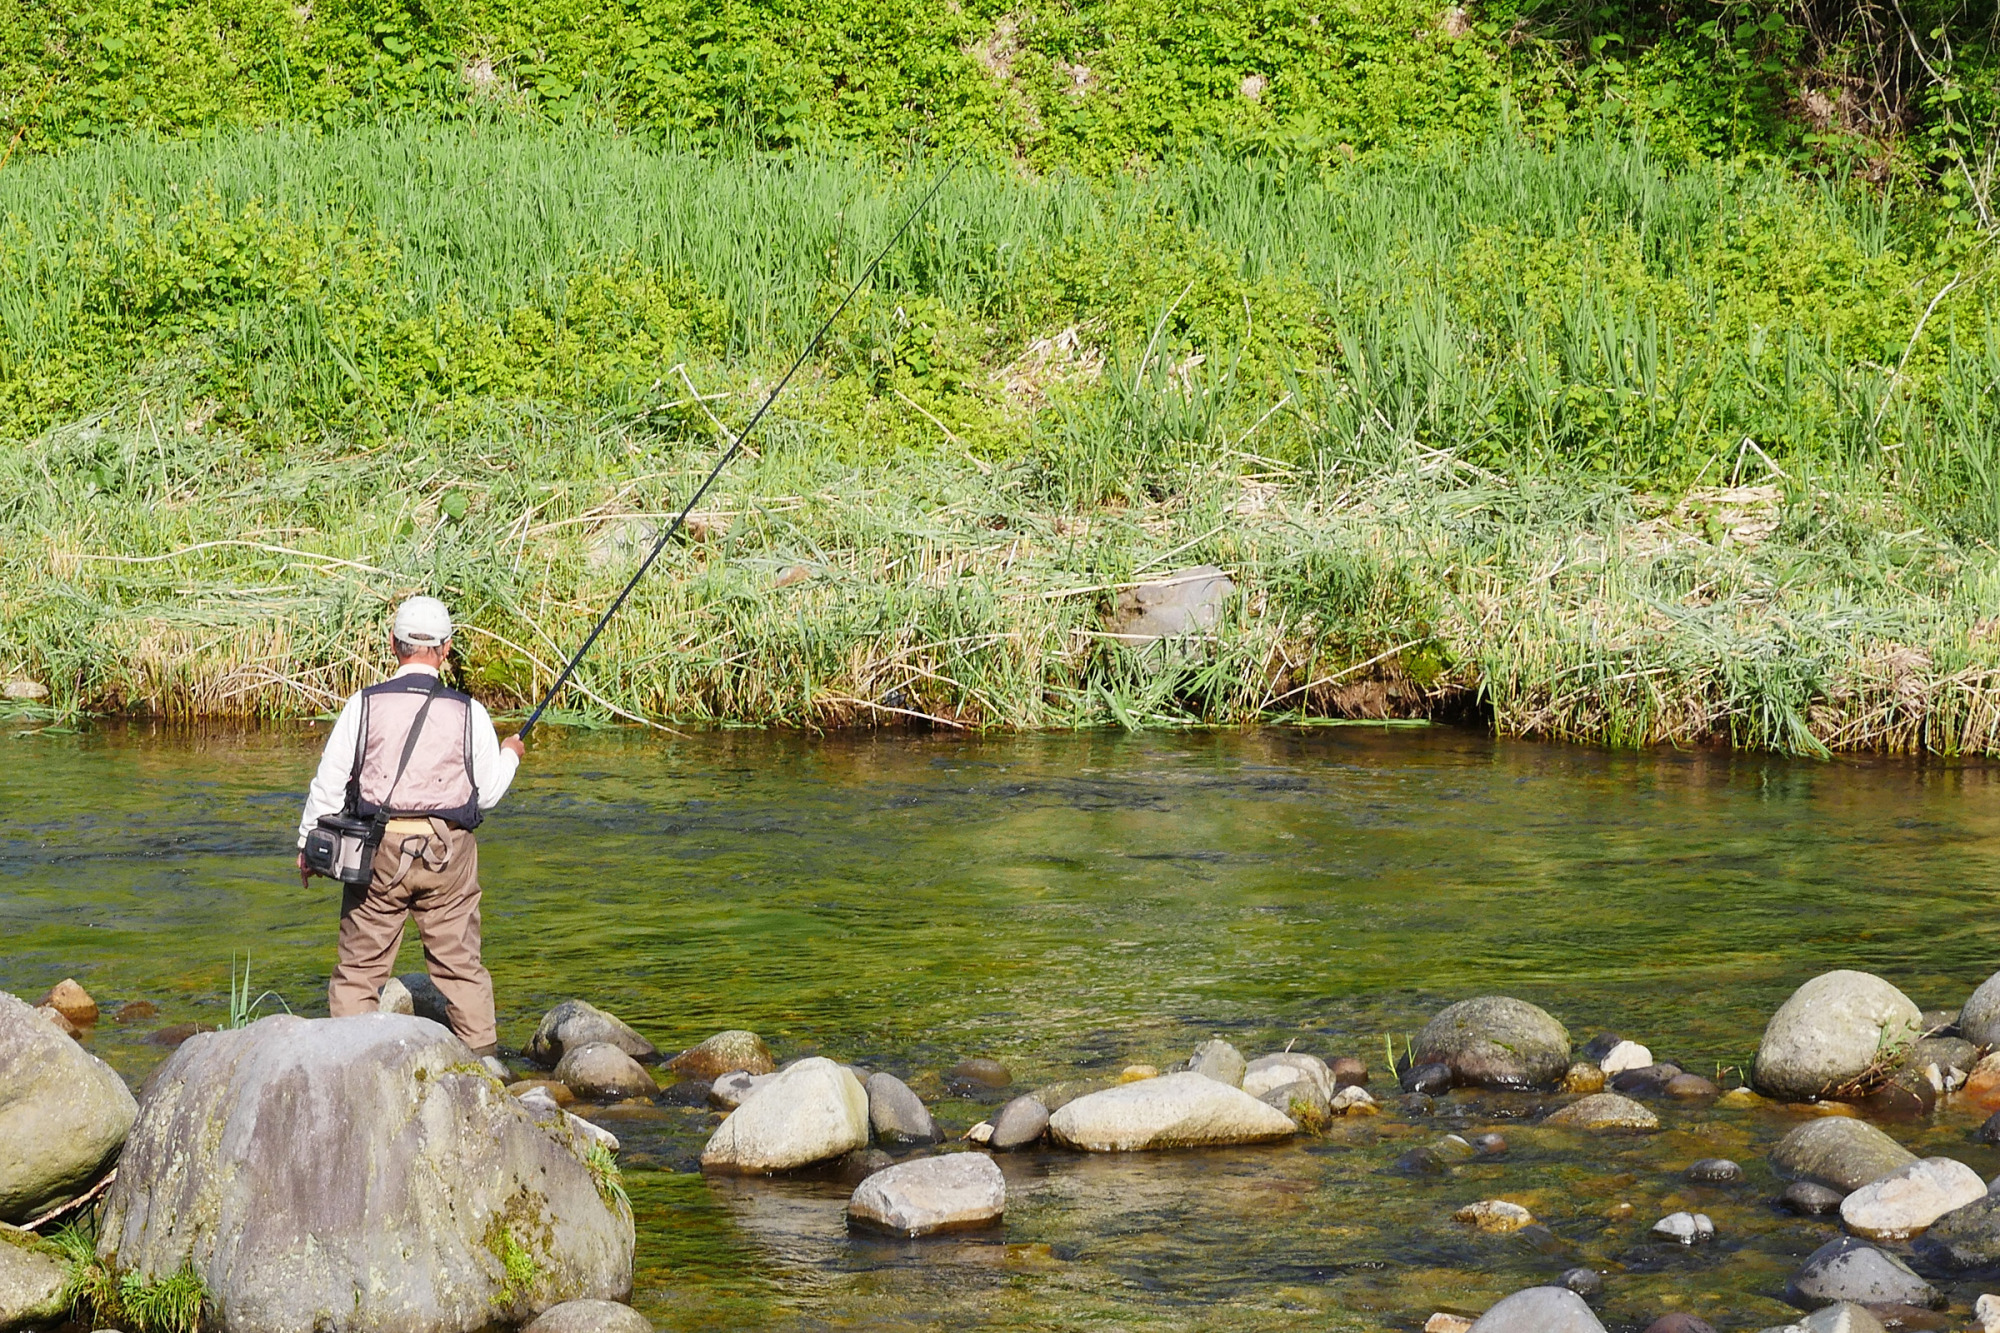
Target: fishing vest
{"x": 439, "y": 779}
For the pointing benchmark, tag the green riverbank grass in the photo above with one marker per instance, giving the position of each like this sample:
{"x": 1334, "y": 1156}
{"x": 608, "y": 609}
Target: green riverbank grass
{"x": 1607, "y": 450}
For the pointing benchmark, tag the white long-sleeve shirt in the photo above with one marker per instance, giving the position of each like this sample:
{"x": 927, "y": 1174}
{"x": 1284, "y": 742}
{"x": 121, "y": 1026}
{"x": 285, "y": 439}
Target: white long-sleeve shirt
{"x": 493, "y": 768}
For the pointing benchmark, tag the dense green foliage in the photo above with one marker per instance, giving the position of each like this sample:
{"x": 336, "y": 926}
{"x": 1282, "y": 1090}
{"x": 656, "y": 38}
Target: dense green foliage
{"x": 1093, "y": 84}
{"x": 1581, "y": 306}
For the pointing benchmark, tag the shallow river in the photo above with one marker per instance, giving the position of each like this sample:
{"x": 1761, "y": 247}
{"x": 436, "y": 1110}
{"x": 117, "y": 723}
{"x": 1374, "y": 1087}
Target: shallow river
{"x": 1071, "y": 905}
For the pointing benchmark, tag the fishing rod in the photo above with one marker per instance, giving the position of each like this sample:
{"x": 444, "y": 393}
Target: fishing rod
{"x": 735, "y": 447}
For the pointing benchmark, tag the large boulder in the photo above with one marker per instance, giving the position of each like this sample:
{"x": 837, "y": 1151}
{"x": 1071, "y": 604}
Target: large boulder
{"x": 724, "y": 1053}
{"x": 812, "y": 1111}
{"x": 1830, "y": 1032}
{"x": 1539, "y": 1310}
{"x": 931, "y": 1194}
{"x": 1838, "y": 1152}
{"x": 1904, "y": 1202}
{"x": 575, "y": 1023}
{"x": 359, "y": 1173}
{"x": 1184, "y": 1110}
{"x": 34, "y": 1283}
{"x": 1848, "y": 1269}
{"x": 1496, "y": 1042}
{"x": 63, "y": 1114}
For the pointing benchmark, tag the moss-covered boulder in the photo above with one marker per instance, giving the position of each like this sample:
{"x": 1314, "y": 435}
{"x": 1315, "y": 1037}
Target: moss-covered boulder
{"x": 360, "y": 1173}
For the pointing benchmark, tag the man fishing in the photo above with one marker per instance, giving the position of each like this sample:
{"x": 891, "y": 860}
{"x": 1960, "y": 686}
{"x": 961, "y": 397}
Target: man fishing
{"x": 426, "y": 760}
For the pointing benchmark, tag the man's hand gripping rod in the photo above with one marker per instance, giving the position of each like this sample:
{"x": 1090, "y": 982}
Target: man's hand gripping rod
{"x": 735, "y": 446}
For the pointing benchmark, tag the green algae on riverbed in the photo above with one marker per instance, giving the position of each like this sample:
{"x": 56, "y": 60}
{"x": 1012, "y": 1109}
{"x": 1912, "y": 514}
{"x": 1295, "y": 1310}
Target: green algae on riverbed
{"x": 1072, "y": 904}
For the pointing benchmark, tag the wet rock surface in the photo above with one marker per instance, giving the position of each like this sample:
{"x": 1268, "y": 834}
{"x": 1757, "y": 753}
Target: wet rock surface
{"x": 1495, "y": 1041}
{"x": 1838, "y": 1152}
{"x": 356, "y": 1173}
{"x": 63, "y": 1114}
{"x": 1850, "y": 1269}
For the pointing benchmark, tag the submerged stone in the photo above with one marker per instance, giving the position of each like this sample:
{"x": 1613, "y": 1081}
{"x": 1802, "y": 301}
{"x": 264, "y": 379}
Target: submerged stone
{"x": 979, "y": 1072}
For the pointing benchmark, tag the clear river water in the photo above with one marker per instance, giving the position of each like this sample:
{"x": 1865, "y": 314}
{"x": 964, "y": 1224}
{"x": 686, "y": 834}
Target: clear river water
{"x": 1070, "y": 905}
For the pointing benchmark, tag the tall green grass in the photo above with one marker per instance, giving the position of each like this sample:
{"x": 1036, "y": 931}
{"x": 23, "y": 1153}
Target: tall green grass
{"x": 1466, "y": 427}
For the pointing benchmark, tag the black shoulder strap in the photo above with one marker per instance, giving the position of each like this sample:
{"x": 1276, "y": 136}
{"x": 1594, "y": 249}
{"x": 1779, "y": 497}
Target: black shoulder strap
{"x": 410, "y": 745}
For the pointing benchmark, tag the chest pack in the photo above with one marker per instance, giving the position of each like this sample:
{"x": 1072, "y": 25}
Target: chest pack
{"x": 342, "y": 847}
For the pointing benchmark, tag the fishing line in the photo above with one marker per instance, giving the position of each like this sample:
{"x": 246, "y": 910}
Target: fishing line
{"x": 736, "y": 446}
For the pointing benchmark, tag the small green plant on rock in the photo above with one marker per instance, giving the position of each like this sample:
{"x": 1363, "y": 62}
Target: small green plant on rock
{"x": 171, "y": 1304}
{"x": 610, "y": 1182}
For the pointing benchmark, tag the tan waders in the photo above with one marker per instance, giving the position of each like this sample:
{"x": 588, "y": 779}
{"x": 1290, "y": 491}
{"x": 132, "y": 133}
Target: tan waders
{"x": 427, "y": 869}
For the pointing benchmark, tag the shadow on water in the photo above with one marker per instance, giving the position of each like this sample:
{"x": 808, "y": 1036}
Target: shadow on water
{"x": 1072, "y": 904}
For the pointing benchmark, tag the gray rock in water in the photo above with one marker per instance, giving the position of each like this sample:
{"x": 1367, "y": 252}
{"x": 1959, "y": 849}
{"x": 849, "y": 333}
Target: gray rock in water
{"x": 1686, "y": 1228}
{"x": 897, "y": 1115}
{"x": 1304, "y": 1100}
{"x": 1810, "y": 1200}
{"x": 1185, "y": 601}
{"x": 1496, "y": 1042}
{"x": 575, "y": 1023}
{"x": 812, "y": 1112}
{"x": 931, "y": 1194}
{"x": 1840, "y": 1152}
{"x": 732, "y": 1090}
{"x": 1604, "y": 1110}
{"x": 590, "y": 1317}
{"x": 1908, "y": 1199}
{"x": 1830, "y": 1031}
{"x": 33, "y": 1280}
{"x": 1979, "y": 1020}
{"x": 1218, "y": 1060}
{"x": 601, "y": 1072}
{"x": 1848, "y": 1269}
{"x": 1846, "y": 1317}
{"x": 979, "y": 1072}
{"x": 1585, "y": 1282}
{"x": 351, "y": 1174}
{"x": 1714, "y": 1171}
{"x": 1275, "y": 1071}
{"x": 426, "y": 1000}
{"x": 1967, "y": 1237}
{"x": 1175, "y": 1111}
{"x": 1539, "y": 1310}
{"x": 1020, "y": 1123}
{"x": 394, "y": 998}
{"x": 1427, "y": 1080}
{"x": 725, "y": 1052}
{"x": 1950, "y": 1056}
{"x": 63, "y": 1114}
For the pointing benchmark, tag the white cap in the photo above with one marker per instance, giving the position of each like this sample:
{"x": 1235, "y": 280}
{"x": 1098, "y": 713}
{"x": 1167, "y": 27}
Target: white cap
{"x": 422, "y": 621}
